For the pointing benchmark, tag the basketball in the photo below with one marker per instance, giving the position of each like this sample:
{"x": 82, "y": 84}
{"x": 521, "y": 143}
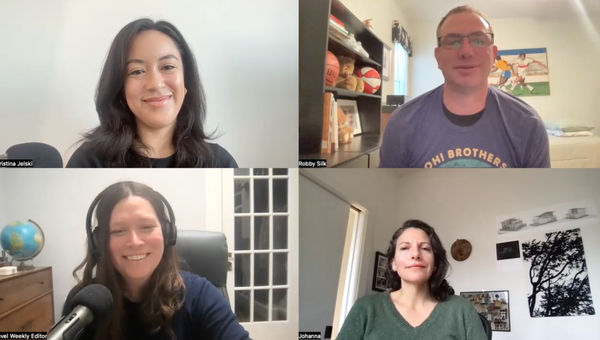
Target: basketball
{"x": 371, "y": 79}
{"x": 332, "y": 69}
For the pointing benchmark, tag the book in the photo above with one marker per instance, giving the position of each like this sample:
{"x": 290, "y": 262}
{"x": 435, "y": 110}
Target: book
{"x": 336, "y": 20}
{"x": 334, "y": 117}
{"x": 325, "y": 139}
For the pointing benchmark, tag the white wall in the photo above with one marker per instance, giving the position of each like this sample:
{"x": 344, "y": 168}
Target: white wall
{"x": 322, "y": 218}
{"x": 58, "y": 201}
{"x": 573, "y": 49}
{"x": 247, "y": 52}
{"x": 383, "y": 13}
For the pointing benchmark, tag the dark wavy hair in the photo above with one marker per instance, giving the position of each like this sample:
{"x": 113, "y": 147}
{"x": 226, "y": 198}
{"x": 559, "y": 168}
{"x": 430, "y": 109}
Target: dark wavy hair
{"x": 164, "y": 294}
{"x": 114, "y": 138}
{"x": 438, "y": 286}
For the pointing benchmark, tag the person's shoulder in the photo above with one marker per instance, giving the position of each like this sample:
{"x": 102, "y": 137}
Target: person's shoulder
{"x": 510, "y": 104}
{"x": 85, "y": 156}
{"x": 416, "y": 107}
{"x": 372, "y": 300}
{"x": 457, "y": 302}
{"x": 223, "y": 159}
{"x": 193, "y": 281}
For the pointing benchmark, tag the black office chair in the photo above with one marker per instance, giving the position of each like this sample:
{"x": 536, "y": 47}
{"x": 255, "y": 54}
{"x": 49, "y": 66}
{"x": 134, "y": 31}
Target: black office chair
{"x": 204, "y": 253}
{"x": 42, "y": 155}
{"x": 487, "y": 326}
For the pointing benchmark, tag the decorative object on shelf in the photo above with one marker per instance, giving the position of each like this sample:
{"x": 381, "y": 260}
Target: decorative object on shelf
{"x": 345, "y": 130}
{"x": 494, "y": 305}
{"x": 350, "y": 110}
{"x": 367, "y": 23}
{"x": 346, "y": 79}
{"x": 371, "y": 79}
{"x": 355, "y": 45}
{"x": 461, "y": 249}
{"x": 332, "y": 69}
{"x": 380, "y": 280}
{"x": 507, "y": 250}
{"x": 22, "y": 241}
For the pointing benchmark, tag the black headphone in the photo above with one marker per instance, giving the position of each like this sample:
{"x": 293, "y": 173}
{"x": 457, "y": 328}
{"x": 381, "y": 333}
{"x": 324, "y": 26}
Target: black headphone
{"x": 169, "y": 229}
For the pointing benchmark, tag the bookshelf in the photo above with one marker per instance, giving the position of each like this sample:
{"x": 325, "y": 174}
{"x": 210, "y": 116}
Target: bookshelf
{"x": 314, "y": 42}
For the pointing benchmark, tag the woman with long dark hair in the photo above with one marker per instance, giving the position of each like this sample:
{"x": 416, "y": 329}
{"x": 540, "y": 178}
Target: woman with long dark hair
{"x": 151, "y": 105}
{"x": 130, "y": 251}
{"x": 421, "y": 304}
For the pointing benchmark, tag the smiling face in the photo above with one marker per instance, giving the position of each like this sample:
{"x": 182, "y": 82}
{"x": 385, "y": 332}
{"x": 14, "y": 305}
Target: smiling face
{"x": 466, "y": 67}
{"x": 413, "y": 259}
{"x": 135, "y": 240}
{"x": 154, "y": 81}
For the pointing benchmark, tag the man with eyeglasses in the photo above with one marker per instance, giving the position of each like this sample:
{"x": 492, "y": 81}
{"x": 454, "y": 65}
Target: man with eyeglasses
{"x": 465, "y": 122}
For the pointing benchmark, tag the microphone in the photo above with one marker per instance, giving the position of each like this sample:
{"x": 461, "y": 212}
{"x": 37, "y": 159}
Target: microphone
{"x": 90, "y": 302}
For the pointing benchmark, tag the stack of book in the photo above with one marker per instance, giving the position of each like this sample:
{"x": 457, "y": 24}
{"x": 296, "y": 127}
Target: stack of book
{"x": 337, "y": 28}
{"x": 329, "y": 137}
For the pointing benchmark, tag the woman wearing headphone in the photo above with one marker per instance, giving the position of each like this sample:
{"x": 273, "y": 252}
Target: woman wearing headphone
{"x": 130, "y": 251}
{"x": 151, "y": 105}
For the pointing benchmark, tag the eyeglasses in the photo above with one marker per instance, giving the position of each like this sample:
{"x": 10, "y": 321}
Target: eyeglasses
{"x": 476, "y": 39}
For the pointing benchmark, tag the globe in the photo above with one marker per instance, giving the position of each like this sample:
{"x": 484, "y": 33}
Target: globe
{"x": 22, "y": 240}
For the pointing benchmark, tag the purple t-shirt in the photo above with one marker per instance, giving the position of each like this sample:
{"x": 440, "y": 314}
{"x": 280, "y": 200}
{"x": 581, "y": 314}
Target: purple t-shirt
{"x": 509, "y": 134}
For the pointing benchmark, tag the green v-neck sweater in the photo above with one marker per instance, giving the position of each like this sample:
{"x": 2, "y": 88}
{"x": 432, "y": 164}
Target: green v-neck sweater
{"x": 374, "y": 317}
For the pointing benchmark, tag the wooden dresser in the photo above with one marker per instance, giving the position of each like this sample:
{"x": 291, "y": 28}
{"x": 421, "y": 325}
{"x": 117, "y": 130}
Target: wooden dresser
{"x": 26, "y": 302}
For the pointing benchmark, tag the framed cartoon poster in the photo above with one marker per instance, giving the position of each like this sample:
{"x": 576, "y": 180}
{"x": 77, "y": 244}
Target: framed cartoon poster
{"x": 521, "y": 72}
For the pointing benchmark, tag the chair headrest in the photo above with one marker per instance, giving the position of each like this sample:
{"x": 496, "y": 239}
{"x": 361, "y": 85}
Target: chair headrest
{"x": 205, "y": 253}
{"x": 42, "y": 155}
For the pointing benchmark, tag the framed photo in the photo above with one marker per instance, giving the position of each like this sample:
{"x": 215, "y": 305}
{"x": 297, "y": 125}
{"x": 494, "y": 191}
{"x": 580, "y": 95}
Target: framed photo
{"x": 387, "y": 62}
{"x": 507, "y": 250}
{"x": 494, "y": 305}
{"x": 350, "y": 109}
{"x": 380, "y": 282}
{"x": 522, "y": 72}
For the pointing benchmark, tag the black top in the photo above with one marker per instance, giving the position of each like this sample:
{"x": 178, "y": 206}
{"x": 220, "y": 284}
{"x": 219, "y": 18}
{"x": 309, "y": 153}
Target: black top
{"x": 462, "y": 120}
{"x": 86, "y": 157}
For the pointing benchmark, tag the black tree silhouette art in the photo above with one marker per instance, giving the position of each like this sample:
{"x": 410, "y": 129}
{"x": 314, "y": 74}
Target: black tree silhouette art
{"x": 558, "y": 276}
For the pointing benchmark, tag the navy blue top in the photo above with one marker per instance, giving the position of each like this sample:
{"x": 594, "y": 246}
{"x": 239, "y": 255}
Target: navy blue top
{"x": 205, "y": 315}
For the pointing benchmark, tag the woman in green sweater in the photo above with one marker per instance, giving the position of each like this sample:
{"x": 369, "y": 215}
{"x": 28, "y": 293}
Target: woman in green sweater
{"x": 421, "y": 304}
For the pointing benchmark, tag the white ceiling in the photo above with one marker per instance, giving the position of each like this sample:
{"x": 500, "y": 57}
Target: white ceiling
{"x": 497, "y": 9}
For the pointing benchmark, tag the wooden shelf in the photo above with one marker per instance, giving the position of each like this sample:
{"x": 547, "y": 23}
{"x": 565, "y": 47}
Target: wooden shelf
{"x": 349, "y": 94}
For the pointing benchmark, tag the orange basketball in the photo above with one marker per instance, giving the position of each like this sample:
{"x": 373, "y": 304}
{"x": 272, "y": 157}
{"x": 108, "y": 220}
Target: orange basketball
{"x": 332, "y": 69}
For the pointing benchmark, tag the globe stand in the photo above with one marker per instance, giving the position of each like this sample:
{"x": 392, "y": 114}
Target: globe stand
{"x": 22, "y": 266}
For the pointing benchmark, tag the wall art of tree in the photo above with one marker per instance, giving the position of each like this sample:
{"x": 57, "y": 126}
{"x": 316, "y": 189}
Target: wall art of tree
{"x": 558, "y": 276}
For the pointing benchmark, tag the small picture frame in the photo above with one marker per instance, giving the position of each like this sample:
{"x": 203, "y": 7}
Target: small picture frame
{"x": 350, "y": 109}
{"x": 380, "y": 281}
{"x": 386, "y": 63}
{"x": 507, "y": 250}
{"x": 494, "y": 305}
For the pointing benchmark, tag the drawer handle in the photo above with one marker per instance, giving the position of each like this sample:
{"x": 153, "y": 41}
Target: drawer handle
{"x": 42, "y": 282}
